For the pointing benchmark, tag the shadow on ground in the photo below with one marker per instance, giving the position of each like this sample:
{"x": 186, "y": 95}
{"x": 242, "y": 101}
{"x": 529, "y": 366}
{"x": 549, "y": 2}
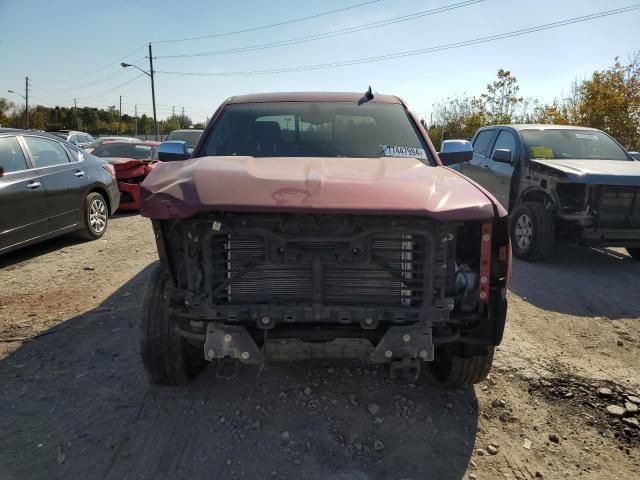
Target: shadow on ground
{"x": 581, "y": 281}
{"x": 10, "y": 259}
{"x": 76, "y": 404}
{"x": 23, "y": 254}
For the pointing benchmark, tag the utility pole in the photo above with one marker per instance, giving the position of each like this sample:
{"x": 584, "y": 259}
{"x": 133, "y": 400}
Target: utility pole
{"x": 153, "y": 90}
{"x": 135, "y": 109}
{"x": 445, "y": 122}
{"x": 173, "y": 111}
{"x": 26, "y": 99}
{"x": 75, "y": 110}
{"x": 120, "y": 117}
{"x": 182, "y": 122}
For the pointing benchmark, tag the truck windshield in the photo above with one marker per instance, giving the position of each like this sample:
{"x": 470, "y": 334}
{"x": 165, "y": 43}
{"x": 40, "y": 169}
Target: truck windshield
{"x": 568, "y": 144}
{"x": 316, "y": 129}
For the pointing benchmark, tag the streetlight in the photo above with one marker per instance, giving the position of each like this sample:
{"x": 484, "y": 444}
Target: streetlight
{"x": 26, "y": 110}
{"x": 153, "y": 89}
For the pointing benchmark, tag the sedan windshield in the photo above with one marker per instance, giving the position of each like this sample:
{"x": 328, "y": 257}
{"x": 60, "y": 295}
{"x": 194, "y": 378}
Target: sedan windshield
{"x": 101, "y": 140}
{"x": 126, "y": 150}
{"x": 568, "y": 144}
{"x": 316, "y": 129}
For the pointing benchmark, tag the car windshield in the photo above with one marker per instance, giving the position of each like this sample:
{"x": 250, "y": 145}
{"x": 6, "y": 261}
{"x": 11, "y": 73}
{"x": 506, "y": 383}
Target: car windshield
{"x": 569, "y": 144}
{"x": 316, "y": 129}
{"x": 189, "y": 137}
{"x": 126, "y": 150}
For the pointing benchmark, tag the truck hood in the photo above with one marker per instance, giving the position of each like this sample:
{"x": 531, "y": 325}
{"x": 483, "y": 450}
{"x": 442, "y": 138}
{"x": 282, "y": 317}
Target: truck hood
{"x": 305, "y": 184}
{"x": 605, "y": 172}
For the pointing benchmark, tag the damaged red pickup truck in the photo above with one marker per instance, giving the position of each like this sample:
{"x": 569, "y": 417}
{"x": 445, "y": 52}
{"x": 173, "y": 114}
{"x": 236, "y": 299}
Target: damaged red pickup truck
{"x": 322, "y": 224}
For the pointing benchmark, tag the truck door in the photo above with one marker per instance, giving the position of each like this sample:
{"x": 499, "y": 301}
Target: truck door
{"x": 501, "y": 173}
{"x": 478, "y": 168}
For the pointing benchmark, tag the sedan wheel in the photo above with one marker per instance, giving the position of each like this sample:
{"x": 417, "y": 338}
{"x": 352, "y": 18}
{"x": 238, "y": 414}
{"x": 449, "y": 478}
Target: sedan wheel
{"x": 96, "y": 216}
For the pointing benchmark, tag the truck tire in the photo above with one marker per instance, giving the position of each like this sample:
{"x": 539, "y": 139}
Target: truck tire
{"x": 533, "y": 231}
{"x": 634, "y": 252}
{"x": 461, "y": 365}
{"x": 166, "y": 355}
{"x": 95, "y": 217}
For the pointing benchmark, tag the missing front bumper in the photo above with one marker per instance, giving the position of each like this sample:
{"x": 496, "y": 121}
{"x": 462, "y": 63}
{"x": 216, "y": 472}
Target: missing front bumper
{"x": 232, "y": 342}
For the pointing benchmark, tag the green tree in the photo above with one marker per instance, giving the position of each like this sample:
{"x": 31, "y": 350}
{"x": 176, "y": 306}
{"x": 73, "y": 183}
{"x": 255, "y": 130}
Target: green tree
{"x": 171, "y": 123}
{"x": 89, "y": 118}
{"x": 460, "y": 117}
{"x": 175, "y": 122}
{"x": 38, "y": 118}
{"x": 502, "y": 100}
{"x": 145, "y": 125}
{"x": 5, "y": 107}
{"x": 457, "y": 117}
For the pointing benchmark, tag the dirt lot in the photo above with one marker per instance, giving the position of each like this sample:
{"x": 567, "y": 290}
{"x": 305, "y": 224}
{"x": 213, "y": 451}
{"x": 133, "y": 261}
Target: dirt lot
{"x": 75, "y": 402}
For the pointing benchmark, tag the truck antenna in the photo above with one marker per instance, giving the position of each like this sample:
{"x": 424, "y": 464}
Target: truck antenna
{"x": 368, "y": 95}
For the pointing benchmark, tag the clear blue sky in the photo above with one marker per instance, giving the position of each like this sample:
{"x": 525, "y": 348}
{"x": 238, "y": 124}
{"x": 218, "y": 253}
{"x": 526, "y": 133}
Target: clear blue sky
{"x": 70, "y": 39}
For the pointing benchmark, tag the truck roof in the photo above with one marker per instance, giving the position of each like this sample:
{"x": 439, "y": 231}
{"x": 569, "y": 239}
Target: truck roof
{"x": 310, "y": 97}
{"x": 541, "y": 126}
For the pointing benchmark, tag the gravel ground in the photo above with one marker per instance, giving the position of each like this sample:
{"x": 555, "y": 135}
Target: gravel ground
{"x": 75, "y": 401}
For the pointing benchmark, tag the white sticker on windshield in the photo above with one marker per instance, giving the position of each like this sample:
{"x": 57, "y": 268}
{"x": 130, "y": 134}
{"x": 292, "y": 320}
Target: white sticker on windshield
{"x": 587, "y": 136}
{"x": 395, "y": 151}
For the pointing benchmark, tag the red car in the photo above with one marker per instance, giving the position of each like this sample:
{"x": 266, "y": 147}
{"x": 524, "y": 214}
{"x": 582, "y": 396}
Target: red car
{"x": 132, "y": 162}
{"x": 313, "y": 225}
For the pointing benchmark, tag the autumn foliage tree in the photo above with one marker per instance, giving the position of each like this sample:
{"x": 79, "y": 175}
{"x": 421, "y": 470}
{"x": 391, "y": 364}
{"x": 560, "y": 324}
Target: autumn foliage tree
{"x": 609, "y": 100}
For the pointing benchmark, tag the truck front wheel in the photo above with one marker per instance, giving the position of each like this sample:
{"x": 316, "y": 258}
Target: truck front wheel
{"x": 461, "y": 364}
{"x": 166, "y": 355}
{"x": 532, "y": 231}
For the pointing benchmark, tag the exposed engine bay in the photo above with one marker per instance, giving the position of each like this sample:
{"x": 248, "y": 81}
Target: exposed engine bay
{"x": 406, "y": 285}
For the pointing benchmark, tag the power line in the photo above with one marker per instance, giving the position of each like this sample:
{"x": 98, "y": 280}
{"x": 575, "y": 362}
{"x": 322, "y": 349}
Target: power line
{"x": 409, "y": 53}
{"x": 86, "y": 74}
{"x": 117, "y": 73}
{"x": 262, "y": 27}
{"x": 116, "y": 87}
{"x": 330, "y": 34}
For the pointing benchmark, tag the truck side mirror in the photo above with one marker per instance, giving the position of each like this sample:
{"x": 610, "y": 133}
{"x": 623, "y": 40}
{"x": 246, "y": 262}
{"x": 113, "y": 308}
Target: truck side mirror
{"x": 455, "y": 151}
{"x": 172, "y": 151}
{"x": 502, "y": 155}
